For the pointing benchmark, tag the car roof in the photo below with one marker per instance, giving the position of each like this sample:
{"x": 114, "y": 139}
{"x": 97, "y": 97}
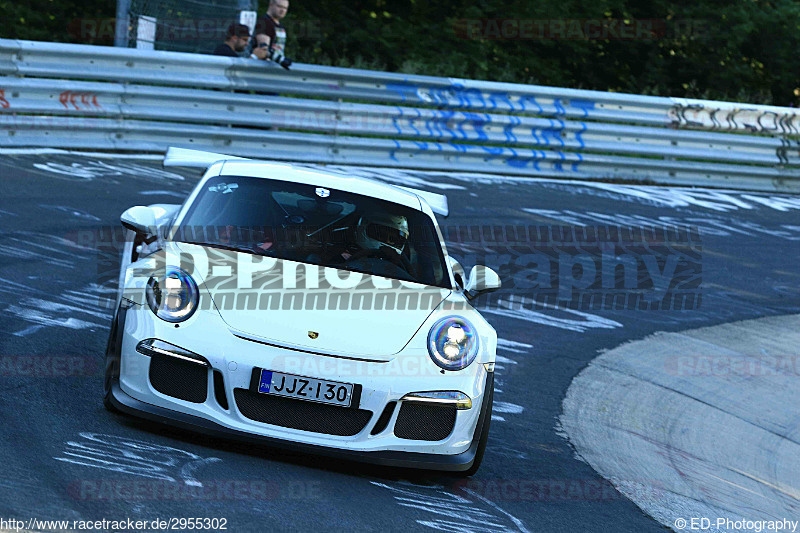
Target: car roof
{"x": 326, "y": 179}
{"x": 429, "y": 202}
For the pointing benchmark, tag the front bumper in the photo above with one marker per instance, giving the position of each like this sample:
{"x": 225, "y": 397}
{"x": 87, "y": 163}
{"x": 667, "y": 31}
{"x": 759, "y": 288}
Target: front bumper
{"x": 132, "y": 392}
{"x": 429, "y": 461}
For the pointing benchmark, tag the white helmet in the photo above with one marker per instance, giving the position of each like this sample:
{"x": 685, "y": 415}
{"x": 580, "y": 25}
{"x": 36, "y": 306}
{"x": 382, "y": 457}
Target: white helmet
{"x": 382, "y": 229}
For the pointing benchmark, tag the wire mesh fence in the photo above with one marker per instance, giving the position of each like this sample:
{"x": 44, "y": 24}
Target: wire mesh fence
{"x": 195, "y": 26}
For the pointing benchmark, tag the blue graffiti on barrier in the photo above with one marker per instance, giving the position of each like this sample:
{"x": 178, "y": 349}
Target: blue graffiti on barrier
{"x": 585, "y": 105}
{"x": 441, "y": 123}
{"x": 502, "y": 97}
{"x": 530, "y": 99}
{"x": 406, "y": 91}
{"x": 456, "y": 95}
{"x": 559, "y": 165}
{"x": 395, "y": 119}
{"x": 554, "y": 132}
{"x": 477, "y": 121}
{"x": 493, "y": 151}
{"x": 411, "y": 122}
{"x": 393, "y": 153}
{"x": 577, "y": 163}
{"x": 579, "y": 135}
{"x": 508, "y": 129}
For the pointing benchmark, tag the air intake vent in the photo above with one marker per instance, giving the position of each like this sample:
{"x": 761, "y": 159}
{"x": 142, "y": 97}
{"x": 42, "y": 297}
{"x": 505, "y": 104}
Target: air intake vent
{"x": 219, "y": 390}
{"x": 425, "y": 421}
{"x": 178, "y": 378}
{"x": 300, "y": 414}
{"x": 383, "y": 420}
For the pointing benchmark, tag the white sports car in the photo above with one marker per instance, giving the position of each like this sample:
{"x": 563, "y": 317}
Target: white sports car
{"x": 305, "y": 309}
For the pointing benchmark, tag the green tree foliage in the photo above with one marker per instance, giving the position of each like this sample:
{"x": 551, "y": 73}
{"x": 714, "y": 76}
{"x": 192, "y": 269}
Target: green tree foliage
{"x": 743, "y": 50}
{"x": 69, "y": 21}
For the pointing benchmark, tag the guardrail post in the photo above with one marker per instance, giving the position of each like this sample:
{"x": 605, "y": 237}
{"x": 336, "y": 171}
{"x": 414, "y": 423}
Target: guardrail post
{"x": 122, "y": 30}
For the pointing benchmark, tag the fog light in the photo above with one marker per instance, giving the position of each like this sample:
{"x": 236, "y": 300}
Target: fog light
{"x": 152, "y": 347}
{"x": 461, "y": 400}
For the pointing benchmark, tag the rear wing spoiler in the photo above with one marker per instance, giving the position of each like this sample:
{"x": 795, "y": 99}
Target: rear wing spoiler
{"x": 185, "y": 157}
{"x": 437, "y": 202}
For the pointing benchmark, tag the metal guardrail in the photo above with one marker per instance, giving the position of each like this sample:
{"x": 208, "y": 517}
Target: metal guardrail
{"x": 80, "y": 96}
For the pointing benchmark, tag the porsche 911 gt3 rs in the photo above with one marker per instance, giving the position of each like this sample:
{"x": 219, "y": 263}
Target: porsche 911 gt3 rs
{"x": 306, "y": 309}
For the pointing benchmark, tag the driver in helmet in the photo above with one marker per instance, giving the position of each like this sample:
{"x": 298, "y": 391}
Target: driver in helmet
{"x": 378, "y": 234}
{"x": 380, "y": 230}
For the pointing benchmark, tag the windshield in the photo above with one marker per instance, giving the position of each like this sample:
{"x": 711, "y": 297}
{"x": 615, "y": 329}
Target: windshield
{"x": 315, "y": 225}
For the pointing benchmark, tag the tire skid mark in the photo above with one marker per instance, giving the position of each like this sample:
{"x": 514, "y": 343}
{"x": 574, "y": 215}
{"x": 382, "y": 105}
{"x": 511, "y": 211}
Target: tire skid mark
{"x": 59, "y": 311}
{"x": 514, "y": 346}
{"x": 176, "y": 194}
{"x": 134, "y": 457}
{"x": 677, "y": 197}
{"x": 501, "y": 362}
{"x": 451, "y": 511}
{"x": 706, "y": 224}
{"x": 50, "y": 249}
{"x": 575, "y": 320}
{"x": 404, "y": 178}
{"x": 91, "y": 170}
{"x": 78, "y": 213}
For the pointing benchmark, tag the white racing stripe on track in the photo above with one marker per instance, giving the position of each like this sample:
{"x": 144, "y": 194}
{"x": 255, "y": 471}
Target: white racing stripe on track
{"x": 500, "y": 406}
{"x": 571, "y": 319}
{"x": 704, "y": 421}
{"x": 134, "y": 457}
{"x": 103, "y": 155}
{"x": 513, "y": 346}
{"x": 444, "y": 509}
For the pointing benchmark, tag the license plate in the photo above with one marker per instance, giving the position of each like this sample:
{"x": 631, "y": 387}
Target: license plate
{"x": 303, "y": 388}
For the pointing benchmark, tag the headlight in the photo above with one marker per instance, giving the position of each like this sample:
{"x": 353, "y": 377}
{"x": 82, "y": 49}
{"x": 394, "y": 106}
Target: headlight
{"x": 453, "y": 343}
{"x": 172, "y": 297}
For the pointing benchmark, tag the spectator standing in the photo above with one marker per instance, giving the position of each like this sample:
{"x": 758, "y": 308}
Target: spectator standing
{"x": 271, "y": 33}
{"x": 236, "y": 39}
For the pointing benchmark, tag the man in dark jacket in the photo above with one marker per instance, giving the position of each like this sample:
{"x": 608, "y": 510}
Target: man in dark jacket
{"x": 236, "y": 40}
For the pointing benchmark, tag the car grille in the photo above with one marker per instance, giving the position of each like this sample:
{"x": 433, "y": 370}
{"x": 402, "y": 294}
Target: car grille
{"x": 300, "y": 414}
{"x": 180, "y": 379}
{"x": 425, "y": 421}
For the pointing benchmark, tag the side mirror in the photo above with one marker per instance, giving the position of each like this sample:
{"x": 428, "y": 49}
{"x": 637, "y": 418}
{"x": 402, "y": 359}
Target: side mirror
{"x": 482, "y": 279}
{"x": 140, "y": 219}
{"x": 458, "y": 271}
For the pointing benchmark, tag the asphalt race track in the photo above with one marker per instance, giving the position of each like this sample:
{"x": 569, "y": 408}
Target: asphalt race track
{"x": 66, "y": 458}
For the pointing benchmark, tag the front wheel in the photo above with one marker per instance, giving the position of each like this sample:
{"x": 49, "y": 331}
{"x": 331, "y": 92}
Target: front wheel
{"x": 111, "y": 365}
{"x": 109, "y": 381}
{"x": 484, "y": 437}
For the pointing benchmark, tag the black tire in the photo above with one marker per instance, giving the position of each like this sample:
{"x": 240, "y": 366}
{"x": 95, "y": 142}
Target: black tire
{"x": 484, "y": 438}
{"x": 109, "y": 380}
{"x": 111, "y": 373}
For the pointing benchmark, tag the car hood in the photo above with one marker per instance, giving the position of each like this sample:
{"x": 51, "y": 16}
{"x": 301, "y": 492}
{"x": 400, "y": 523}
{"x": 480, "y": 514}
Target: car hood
{"x": 294, "y": 305}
